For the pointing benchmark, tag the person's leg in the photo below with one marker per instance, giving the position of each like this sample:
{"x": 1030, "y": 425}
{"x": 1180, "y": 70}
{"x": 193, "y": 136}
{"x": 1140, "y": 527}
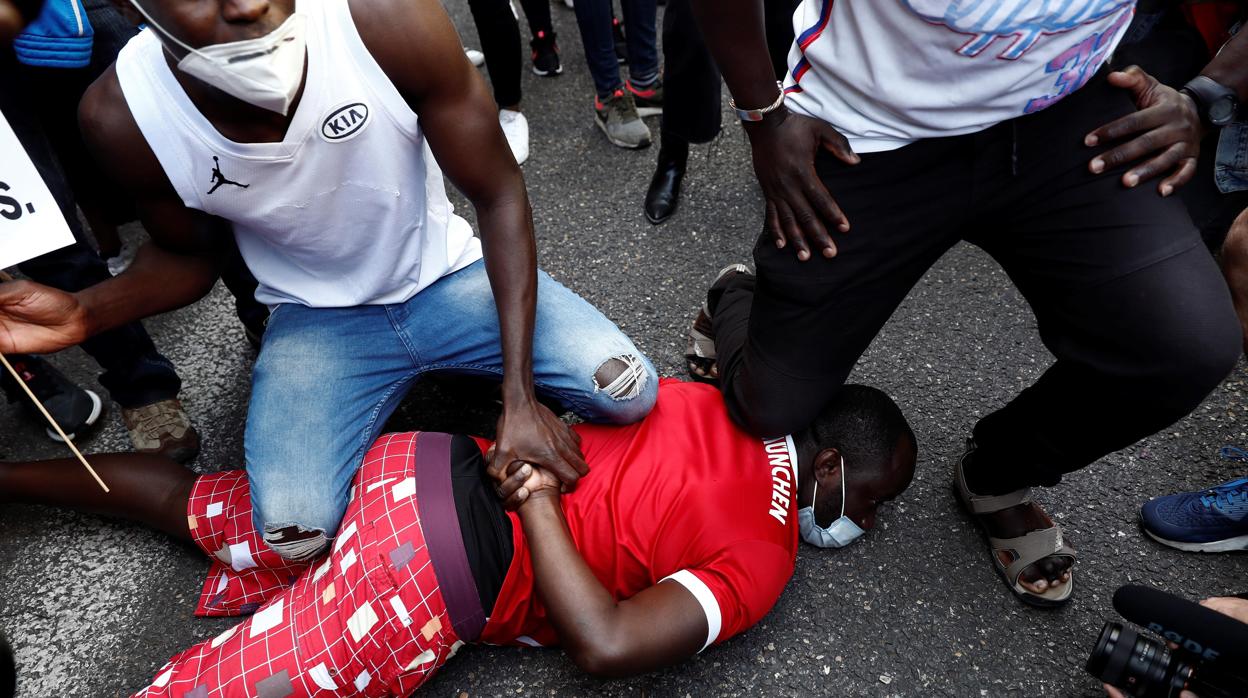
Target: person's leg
{"x": 580, "y": 358}
{"x": 786, "y": 346}
{"x": 152, "y": 490}
{"x": 537, "y": 13}
{"x": 593, "y": 17}
{"x": 1126, "y": 298}
{"x": 500, "y": 42}
{"x": 1125, "y": 295}
{"x": 691, "y": 112}
{"x": 1235, "y": 269}
{"x": 323, "y": 387}
{"x": 135, "y": 373}
{"x": 640, "y": 30}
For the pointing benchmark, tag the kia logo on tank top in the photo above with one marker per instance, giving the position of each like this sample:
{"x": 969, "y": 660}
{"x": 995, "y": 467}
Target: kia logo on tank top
{"x": 345, "y": 122}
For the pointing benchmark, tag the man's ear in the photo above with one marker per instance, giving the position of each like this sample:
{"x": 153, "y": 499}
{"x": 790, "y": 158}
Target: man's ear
{"x": 828, "y": 466}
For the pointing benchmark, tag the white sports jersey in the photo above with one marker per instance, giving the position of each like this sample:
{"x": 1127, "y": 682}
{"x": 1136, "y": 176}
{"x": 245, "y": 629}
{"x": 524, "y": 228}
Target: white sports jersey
{"x": 888, "y": 72}
{"x": 348, "y": 209}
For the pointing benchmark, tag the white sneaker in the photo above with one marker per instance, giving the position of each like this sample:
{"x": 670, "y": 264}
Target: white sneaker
{"x": 516, "y": 129}
{"x": 569, "y": 5}
{"x": 474, "y": 56}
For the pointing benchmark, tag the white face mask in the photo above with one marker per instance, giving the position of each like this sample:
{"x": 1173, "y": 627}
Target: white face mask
{"x": 839, "y": 533}
{"x": 266, "y": 72}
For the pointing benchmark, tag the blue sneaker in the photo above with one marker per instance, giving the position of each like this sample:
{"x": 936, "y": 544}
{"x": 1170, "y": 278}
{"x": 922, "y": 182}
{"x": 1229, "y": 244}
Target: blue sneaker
{"x": 1212, "y": 521}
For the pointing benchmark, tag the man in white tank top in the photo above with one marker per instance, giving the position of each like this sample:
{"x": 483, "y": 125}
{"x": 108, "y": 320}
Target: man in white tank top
{"x": 314, "y": 137}
{"x": 923, "y": 123}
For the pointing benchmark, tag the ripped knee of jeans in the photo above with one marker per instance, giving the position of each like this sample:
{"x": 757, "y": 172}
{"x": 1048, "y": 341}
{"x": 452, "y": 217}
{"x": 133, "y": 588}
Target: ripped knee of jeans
{"x": 295, "y": 542}
{"x": 621, "y": 377}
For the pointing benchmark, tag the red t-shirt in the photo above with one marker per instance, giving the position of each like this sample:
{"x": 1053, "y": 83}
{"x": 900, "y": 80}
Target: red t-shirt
{"x": 683, "y": 494}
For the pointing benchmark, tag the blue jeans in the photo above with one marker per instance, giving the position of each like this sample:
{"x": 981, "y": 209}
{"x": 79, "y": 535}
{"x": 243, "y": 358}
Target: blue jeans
{"x": 594, "y": 19}
{"x": 1231, "y": 168}
{"x": 327, "y": 379}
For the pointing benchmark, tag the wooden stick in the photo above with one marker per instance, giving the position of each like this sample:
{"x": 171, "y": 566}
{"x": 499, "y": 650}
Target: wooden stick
{"x": 68, "y": 441}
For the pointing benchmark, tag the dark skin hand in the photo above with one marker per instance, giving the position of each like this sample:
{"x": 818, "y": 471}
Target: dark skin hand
{"x": 660, "y": 626}
{"x": 1164, "y": 136}
{"x": 419, "y": 50}
{"x": 800, "y": 211}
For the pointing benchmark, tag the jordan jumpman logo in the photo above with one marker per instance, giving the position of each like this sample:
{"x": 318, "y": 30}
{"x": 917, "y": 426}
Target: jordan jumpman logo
{"x": 219, "y": 180}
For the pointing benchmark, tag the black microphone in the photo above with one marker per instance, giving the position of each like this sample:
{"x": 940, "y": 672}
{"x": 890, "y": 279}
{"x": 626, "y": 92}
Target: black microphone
{"x": 1212, "y": 636}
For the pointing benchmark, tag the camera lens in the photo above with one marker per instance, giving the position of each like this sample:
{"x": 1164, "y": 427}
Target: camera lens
{"x": 1136, "y": 664}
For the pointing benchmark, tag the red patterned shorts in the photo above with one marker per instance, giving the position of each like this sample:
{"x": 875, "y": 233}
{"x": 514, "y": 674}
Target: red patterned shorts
{"x": 368, "y": 620}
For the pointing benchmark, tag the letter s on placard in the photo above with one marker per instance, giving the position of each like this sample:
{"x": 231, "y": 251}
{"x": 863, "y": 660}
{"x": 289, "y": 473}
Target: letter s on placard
{"x": 15, "y": 210}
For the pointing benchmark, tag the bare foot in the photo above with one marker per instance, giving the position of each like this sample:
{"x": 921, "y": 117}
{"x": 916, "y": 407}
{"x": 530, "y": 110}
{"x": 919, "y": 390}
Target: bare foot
{"x": 1044, "y": 575}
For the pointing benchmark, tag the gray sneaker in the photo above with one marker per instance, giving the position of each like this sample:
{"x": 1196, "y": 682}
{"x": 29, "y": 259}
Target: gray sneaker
{"x": 162, "y": 428}
{"x": 618, "y": 119}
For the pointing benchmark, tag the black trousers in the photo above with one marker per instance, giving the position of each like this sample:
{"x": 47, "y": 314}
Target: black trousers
{"x": 134, "y": 372}
{"x": 500, "y": 41}
{"x": 692, "y": 109}
{"x": 1126, "y": 297}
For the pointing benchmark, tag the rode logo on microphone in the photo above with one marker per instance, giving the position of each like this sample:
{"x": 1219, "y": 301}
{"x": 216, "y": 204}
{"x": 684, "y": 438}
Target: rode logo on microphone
{"x": 1187, "y": 644}
{"x": 345, "y": 122}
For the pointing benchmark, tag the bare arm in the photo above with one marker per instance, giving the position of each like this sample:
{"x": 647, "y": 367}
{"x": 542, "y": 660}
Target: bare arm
{"x": 658, "y": 627}
{"x": 800, "y": 210}
{"x": 175, "y": 269}
{"x": 1230, "y": 67}
{"x": 416, "y": 45}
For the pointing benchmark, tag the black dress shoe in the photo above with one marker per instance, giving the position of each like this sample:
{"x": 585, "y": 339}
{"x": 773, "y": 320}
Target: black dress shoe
{"x": 664, "y": 191}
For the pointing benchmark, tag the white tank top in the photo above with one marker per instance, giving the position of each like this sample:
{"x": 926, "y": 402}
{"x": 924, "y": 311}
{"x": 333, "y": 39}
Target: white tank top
{"x": 348, "y": 209}
{"x": 887, "y": 72}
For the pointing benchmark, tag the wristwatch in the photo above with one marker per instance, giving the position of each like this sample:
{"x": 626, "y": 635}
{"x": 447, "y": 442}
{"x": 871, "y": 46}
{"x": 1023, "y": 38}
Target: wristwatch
{"x": 758, "y": 114}
{"x": 1216, "y": 102}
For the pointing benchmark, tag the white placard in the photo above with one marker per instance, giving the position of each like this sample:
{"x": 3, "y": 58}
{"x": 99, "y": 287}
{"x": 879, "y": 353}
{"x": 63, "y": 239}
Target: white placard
{"x": 31, "y": 223}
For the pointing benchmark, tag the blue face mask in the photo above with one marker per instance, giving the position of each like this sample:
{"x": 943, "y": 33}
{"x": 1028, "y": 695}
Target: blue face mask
{"x": 838, "y": 534}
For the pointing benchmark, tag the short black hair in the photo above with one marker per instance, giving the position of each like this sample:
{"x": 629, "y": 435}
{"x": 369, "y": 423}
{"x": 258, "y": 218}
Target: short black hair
{"x": 864, "y": 424}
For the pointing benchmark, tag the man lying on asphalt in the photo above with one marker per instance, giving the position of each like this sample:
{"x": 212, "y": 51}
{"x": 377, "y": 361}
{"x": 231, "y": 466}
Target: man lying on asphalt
{"x": 682, "y": 535}
{"x": 326, "y": 175}
{"x": 931, "y": 122}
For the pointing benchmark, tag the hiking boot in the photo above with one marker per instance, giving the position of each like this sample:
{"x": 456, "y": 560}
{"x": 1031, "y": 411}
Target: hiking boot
{"x": 649, "y": 99}
{"x": 75, "y": 409}
{"x": 546, "y": 55}
{"x": 618, "y": 118}
{"x": 162, "y": 428}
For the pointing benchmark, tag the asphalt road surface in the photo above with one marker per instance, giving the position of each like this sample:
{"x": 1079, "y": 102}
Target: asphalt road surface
{"x": 94, "y": 606}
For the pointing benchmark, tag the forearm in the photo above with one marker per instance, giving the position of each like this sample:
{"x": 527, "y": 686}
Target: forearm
{"x": 578, "y": 606}
{"x": 152, "y": 490}
{"x": 1230, "y": 67}
{"x": 158, "y": 281}
{"x": 734, "y": 32}
{"x": 511, "y": 263}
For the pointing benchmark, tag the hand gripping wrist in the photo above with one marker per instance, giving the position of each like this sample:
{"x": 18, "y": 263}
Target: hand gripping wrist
{"x": 749, "y": 115}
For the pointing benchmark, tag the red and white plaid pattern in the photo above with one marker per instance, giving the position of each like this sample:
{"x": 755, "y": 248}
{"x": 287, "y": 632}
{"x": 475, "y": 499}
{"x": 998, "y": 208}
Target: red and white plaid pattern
{"x": 367, "y": 621}
{"x": 245, "y": 571}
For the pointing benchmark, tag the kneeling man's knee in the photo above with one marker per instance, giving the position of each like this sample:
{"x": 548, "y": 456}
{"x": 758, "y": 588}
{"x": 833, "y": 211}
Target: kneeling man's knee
{"x": 298, "y": 521}
{"x": 1196, "y": 358}
{"x": 629, "y": 385}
